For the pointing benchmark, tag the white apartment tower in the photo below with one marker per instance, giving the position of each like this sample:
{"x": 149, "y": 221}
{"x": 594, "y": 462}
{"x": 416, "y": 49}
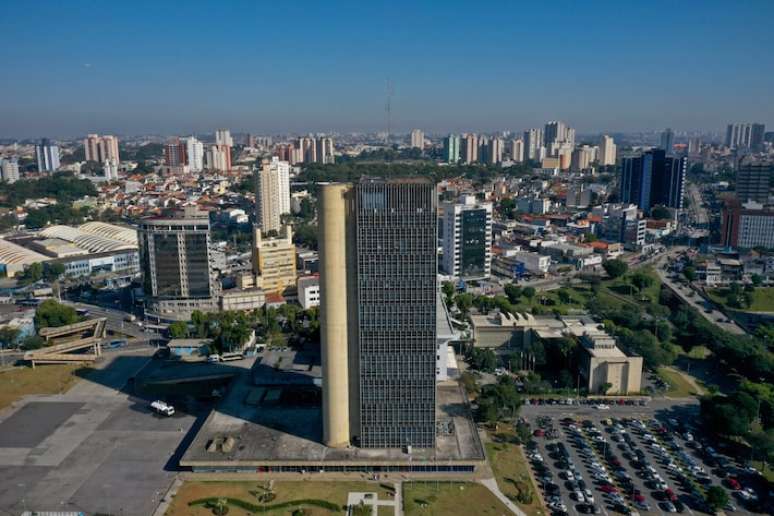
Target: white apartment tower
{"x": 418, "y": 139}
{"x": 272, "y": 194}
{"x": 607, "y": 151}
{"x": 195, "y": 151}
{"x": 467, "y": 238}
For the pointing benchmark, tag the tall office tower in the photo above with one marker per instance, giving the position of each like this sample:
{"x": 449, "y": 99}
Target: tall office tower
{"x": 175, "y": 153}
{"x": 652, "y": 179}
{"x": 467, "y": 238}
{"x": 451, "y": 148}
{"x": 622, "y": 223}
{"x": 47, "y": 156}
{"x": 556, "y": 132}
{"x": 747, "y": 225}
{"x": 324, "y": 152}
{"x": 10, "y": 169}
{"x": 223, "y": 137}
{"x": 178, "y": 277}
{"x": 101, "y": 148}
{"x": 517, "y": 150}
{"x": 753, "y": 181}
{"x": 667, "y": 140}
{"x": 377, "y": 310}
{"x": 274, "y": 260}
{"x": 194, "y": 150}
{"x": 272, "y": 194}
{"x": 745, "y": 136}
{"x": 418, "y": 139}
{"x": 607, "y": 151}
{"x": 533, "y": 141}
{"x": 469, "y": 148}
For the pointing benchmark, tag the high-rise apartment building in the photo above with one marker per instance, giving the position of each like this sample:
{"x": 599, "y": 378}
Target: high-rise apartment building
{"x": 274, "y": 260}
{"x": 223, "y": 137}
{"x": 175, "y": 153}
{"x": 493, "y": 150}
{"x": 467, "y": 238}
{"x": 533, "y": 142}
{"x": 652, "y": 179}
{"x": 607, "y": 151}
{"x": 469, "y": 148}
{"x": 745, "y": 136}
{"x": 219, "y": 158}
{"x": 581, "y": 158}
{"x": 517, "y": 150}
{"x": 47, "y": 156}
{"x": 324, "y": 152}
{"x": 451, "y": 148}
{"x": 378, "y": 312}
{"x": 418, "y": 139}
{"x": 272, "y": 194}
{"x": 178, "y": 276}
{"x": 556, "y": 133}
{"x": 753, "y": 181}
{"x": 747, "y": 225}
{"x": 667, "y": 140}
{"x": 9, "y": 167}
{"x": 101, "y": 148}
{"x": 194, "y": 150}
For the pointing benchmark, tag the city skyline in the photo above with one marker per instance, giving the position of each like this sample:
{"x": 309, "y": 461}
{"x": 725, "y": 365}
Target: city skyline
{"x": 211, "y": 68}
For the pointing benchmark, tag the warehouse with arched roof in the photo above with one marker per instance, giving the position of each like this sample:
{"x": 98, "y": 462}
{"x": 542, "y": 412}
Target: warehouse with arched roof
{"x": 111, "y": 231}
{"x": 91, "y": 242}
{"x": 14, "y": 258}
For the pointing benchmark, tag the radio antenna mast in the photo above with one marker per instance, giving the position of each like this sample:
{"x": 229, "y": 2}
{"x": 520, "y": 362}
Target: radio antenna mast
{"x": 388, "y": 108}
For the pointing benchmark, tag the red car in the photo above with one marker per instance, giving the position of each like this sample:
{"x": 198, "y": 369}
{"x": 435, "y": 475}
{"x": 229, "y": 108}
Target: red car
{"x": 670, "y": 494}
{"x": 607, "y": 488}
{"x": 639, "y": 498}
{"x": 538, "y": 433}
{"x": 733, "y": 484}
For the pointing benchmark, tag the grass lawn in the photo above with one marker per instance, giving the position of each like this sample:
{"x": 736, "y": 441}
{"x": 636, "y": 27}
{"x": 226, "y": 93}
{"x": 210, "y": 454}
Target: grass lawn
{"x": 679, "y": 386}
{"x": 762, "y": 299}
{"x": 446, "y": 498}
{"x": 45, "y": 379}
{"x": 512, "y": 470}
{"x": 334, "y": 492}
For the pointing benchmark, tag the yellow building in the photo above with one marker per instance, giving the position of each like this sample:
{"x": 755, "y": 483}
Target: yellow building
{"x": 274, "y": 261}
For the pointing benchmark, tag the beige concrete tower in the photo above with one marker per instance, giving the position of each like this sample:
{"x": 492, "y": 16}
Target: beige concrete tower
{"x": 333, "y": 314}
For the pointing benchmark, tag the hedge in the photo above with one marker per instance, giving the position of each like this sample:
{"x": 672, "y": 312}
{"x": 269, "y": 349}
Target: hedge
{"x": 236, "y": 502}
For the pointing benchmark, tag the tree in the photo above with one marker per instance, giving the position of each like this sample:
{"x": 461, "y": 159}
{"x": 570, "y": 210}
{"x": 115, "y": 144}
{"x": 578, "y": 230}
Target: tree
{"x": 529, "y": 292}
{"x": 52, "y": 271}
{"x": 757, "y": 280}
{"x": 178, "y": 330}
{"x": 448, "y": 291}
{"x": 689, "y": 273}
{"x": 642, "y": 280}
{"x": 615, "y": 268}
{"x": 51, "y": 314}
{"x": 32, "y": 342}
{"x": 717, "y": 498}
{"x": 513, "y": 292}
{"x": 464, "y": 301}
{"x": 8, "y": 336}
{"x": 660, "y": 213}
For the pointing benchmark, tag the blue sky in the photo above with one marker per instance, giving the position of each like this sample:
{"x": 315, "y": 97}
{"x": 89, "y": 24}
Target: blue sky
{"x": 178, "y": 67}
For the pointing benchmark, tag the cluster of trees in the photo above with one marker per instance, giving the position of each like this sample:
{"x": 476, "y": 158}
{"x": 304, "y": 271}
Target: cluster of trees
{"x": 737, "y": 296}
{"x": 615, "y": 268}
{"x": 41, "y": 271}
{"x": 482, "y": 359}
{"x": 498, "y": 401}
{"x": 62, "y": 186}
{"x": 227, "y": 330}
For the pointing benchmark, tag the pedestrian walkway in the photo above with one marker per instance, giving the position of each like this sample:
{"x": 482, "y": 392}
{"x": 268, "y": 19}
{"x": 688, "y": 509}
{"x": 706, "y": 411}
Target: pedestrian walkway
{"x": 491, "y": 484}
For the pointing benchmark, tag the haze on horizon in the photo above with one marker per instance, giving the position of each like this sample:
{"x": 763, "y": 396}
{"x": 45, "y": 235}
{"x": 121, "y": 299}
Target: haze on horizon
{"x": 147, "y": 67}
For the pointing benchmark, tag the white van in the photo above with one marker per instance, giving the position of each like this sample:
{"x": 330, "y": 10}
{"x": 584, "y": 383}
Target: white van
{"x": 160, "y": 407}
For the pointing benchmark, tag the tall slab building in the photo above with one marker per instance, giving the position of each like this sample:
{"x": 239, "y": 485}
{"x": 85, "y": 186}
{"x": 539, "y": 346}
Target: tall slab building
{"x": 378, "y": 312}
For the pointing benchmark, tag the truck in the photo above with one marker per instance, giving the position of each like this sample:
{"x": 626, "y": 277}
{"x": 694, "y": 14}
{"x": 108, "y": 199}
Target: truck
{"x": 162, "y": 408}
{"x": 236, "y": 355}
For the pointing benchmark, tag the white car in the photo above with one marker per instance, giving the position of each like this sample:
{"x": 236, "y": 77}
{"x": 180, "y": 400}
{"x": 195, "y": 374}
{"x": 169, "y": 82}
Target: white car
{"x": 589, "y": 497}
{"x": 569, "y": 475}
{"x": 557, "y": 506}
{"x": 602, "y": 407}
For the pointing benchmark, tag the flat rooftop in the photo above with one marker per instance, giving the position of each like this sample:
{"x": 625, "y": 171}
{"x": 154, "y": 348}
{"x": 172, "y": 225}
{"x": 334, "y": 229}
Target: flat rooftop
{"x": 280, "y": 424}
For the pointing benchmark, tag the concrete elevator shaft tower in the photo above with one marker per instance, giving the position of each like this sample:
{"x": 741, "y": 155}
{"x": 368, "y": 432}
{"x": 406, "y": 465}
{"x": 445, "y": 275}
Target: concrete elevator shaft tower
{"x": 333, "y": 236}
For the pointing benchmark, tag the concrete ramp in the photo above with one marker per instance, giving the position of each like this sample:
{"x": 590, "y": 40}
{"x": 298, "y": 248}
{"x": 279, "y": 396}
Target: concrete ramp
{"x": 70, "y": 343}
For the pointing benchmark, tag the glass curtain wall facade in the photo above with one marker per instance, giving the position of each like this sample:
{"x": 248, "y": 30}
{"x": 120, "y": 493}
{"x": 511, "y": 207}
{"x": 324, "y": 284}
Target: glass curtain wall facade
{"x": 473, "y": 243}
{"x": 395, "y": 236}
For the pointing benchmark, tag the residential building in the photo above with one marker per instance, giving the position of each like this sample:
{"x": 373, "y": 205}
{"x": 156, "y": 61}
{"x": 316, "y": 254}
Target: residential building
{"x": 467, "y": 238}
{"x": 652, "y": 179}
{"x": 517, "y": 150}
{"x": 753, "y": 181}
{"x": 195, "y": 153}
{"x": 607, "y": 151}
{"x": 622, "y": 223}
{"x": 274, "y": 260}
{"x": 309, "y": 291}
{"x": 110, "y": 169}
{"x": 556, "y": 132}
{"x": 325, "y": 150}
{"x": 745, "y": 136}
{"x": 581, "y": 158}
{"x": 451, "y": 148}
{"x": 747, "y": 225}
{"x": 175, "y": 153}
{"x": 469, "y": 149}
{"x": 223, "y": 137}
{"x": 175, "y": 261}
{"x": 578, "y": 196}
{"x": 378, "y": 312}
{"x": 47, "y": 156}
{"x": 272, "y": 194}
{"x": 533, "y": 143}
{"x": 218, "y": 158}
{"x": 667, "y": 140}
{"x": 101, "y": 148}
{"x": 417, "y": 139}
{"x": 9, "y": 167}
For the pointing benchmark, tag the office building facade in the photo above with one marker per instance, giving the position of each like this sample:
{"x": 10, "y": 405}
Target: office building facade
{"x": 451, "y": 148}
{"x": 667, "y": 140}
{"x": 652, "y": 179}
{"x": 378, "y": 312}
{"x": 178, "y": 277}
{"x": 753, "y": 181}
{"x": 9, "y": 167}
{"x": 467, "y": 238}
{"x": 47, "y": 156}
{"x": 747, "y": 225}
{"x": 745, "y": 136}
{"x": 274, "y": 260}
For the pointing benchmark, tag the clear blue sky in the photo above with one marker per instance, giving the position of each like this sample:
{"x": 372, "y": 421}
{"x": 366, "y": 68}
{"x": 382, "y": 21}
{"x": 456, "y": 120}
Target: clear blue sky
{"x": 129, "y": 67}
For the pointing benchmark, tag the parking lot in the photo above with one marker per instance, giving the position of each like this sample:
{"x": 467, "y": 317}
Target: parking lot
{"x": 633, "y": 459}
